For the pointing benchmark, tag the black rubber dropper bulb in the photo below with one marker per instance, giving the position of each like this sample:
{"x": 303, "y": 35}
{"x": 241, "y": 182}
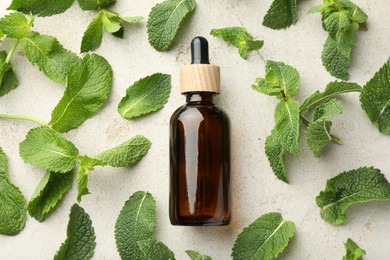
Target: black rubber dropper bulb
{"x": 199, "y": 51}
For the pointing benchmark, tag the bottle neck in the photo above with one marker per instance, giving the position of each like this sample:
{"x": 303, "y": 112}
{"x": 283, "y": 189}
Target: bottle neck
{"x": 200, "y": 98}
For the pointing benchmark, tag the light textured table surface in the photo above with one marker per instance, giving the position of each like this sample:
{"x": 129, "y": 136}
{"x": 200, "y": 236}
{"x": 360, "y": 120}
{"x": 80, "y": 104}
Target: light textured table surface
{"x": 255, "y": 189}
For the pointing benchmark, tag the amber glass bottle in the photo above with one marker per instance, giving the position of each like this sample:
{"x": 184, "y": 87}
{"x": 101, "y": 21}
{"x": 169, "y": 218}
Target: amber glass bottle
{"x": 199, "y": 147}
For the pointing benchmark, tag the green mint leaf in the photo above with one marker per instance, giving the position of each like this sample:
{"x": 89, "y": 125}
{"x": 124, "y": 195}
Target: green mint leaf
{"x": 80, "y": 242}
{"x": 156, "y": 250}
{"x": 287, "y": 125}
{"x": 328, "y": 110}
{"x": 1, "y": 34}
{"x": 47, "y": 149}
{"x": 357, "y": 14}
{"x": 275, "y": 154}
{"x": 375, "y": 98}
{"x": 194, "y": 255}
{"x": 41, "y": 7}
{"x": 239, "y": 37}
{"x": 318, "y": 131}
{"x": 131, "y": 19}
{"x": 331, "y": 90}
{"x": 87, "y": 164}
{"x": 136, "y": 222}
{"x": 48, "y": 54}
{"x": 264, "y": 239}
{"x": 353, "y": 251}
{"x": 349, "y": 188}
{"x": 127, "y": 153}
{"x": 164, "y": 21}
{"x": 92, "y": 37}
{"x": 94, "y": 4}
{"x": 8, "y": 80}
{"x": 15, "y": 25}
{"x": 318, "y": 8}
{"x": 111, "y": 21}
{"x": 12, "y": 202}
{"x": 87, "y": 89}
{"x": 49, "y": 193}
{"x": 283, "y": 76}
{"x": 145, "y": 96}
{"x": 281, "y": 14}
{"x": 336, "y": 21}
{"x": 336, "y": 53}
{"x": 267, "y": 88}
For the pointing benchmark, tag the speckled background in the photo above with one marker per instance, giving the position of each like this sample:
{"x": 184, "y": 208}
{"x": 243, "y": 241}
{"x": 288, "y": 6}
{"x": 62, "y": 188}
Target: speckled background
{"x": 255, "y": 189}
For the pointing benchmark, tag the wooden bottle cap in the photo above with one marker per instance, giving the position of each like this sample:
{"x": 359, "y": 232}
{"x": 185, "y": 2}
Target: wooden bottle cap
{"x": 200, "y": 78}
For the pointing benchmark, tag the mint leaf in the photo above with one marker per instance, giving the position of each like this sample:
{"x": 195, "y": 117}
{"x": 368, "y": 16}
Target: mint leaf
{"x": 48, "y": 54}
{"x": 15, "y": 25}
{"x": 111, "y": 21}
{"x": 336, "y": 21}
{"x": 283, "y": 76}
{"x": 264, "y": 239}
{"x": 136, "y": 222}
{"x": 86, "y": 166}
{"x": 375, "y": 98}
{"x": 275, "y": 154}
{"x": 41, "y": 7}
{"x": 267, "y": 88}
{"x": 341, "y": 18}
{"x": 239, "y": 37}
{"x": 353, "y": 251}
{"x": 49, "y": 193}
{"x": 281, "y": 14}
{"x": 125, "y": 154}
{"x": 131, "y": 19}
{"x": 318, "y": 131}
{"x": 47, "y": 149}
{"x": 156, "y": 250}
{"x": 8, "y": 80}
{"x": 12, "y": 202}
{"x": 87, "y": 89}
{"x": 164, "y": 21}
{"x": 287, "y": 125}
{"x": 80, "y": 241}
{"x": 336, "y": 53}
{"x": 349, "y": 188}
{"x": 93, "y": 4}
{"x": 331, "y": 90}
{"x": 145, "y": 96}
{"x": 92, "y": 37}
{"x": 194, "y": 255}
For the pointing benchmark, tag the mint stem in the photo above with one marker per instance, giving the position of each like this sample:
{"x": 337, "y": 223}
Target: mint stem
{"x": 11, "y": 52}
{"x": 333, "y": 137}
{"x": 27, "y": 118}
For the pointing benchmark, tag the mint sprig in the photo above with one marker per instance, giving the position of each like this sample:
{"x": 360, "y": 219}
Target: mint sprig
{"x": 239, "y": 37}
{"x": 341, "y": 19}
{"x": 107, "y": 21}
{"x": 282, "y": 81}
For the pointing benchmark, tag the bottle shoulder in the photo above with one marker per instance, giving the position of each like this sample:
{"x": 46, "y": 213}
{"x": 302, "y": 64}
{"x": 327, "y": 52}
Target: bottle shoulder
{"x": 199, "y": 111}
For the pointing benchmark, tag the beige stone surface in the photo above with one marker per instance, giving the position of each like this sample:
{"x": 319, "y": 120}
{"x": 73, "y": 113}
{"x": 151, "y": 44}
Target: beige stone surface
{"x": 255, "y": 189}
